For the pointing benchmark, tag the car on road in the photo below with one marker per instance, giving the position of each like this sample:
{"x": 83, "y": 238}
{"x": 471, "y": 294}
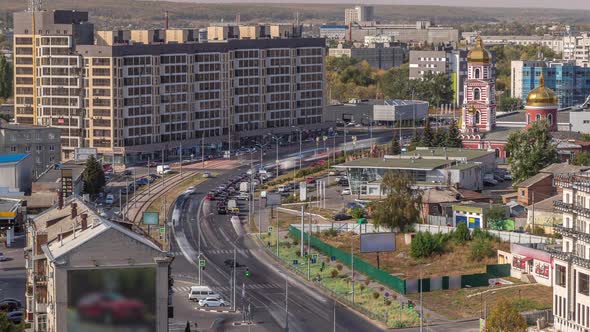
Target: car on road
{"x": 151, "y": 164}
{"x": 332, "y": 173}
{"x": 234, "y": 219}
{"x": 10, "y": 305}
{"x": 197, "y": 293}
{"x": 310, "y": 180}
{"x": 230, "y": 263}
{"x": 234, "y": 210}
{"x": 209, "y": 197}
{"x": 15, "y": 316}
{"x": 345, "y": 192}
{"x": 243, "y": 196}
{"x": 221, "y": 209}
{"x": 212, "y": 302}
{"x": 191, "y": 190}
{"x": 3, "y": 257}
{"x": 342, "y": 216}
{"x": 263, "y": 194}
{"x": 206, "y": 174}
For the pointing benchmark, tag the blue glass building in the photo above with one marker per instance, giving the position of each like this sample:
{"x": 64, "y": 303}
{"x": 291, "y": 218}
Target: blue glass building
{"x": 571, "y": 83}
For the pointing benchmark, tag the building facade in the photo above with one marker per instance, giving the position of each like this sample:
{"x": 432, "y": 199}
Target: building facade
{"x": 358, "y": 14}
{"x": 555, "y": 43}
{"x": 570, "y": 82}
{"x": 147, "y": 96}
{"x": 42, "y": 143}
{"x": 577, "y": 48}
{"x": 334, "y": 32}
{"x": 571, "y": 286}
{"x": 382, "y": 57}
{"x": 419, "y": 34}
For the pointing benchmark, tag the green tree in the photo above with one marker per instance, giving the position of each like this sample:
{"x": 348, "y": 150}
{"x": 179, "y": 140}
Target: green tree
{"x": 581, "y": 159}
{"x": 440, "y": 137}
{"x": 453, "y": 139}
{"x": 8, "y": 326}
{"x": 507, "y": 104}
{"x": 5, "y": 78}
{"x": 394, "y": 147}
{"x": 505, "y": 318}
{"x": 495, "y": 214}
{"x": 427, "y": 135}
{"x": 400, "y": 208}
{"x": 530, "y": 151}
{"x": 481, "y": 248}
{"x": 461, "y": 233}
{"x": 93, "y": 177}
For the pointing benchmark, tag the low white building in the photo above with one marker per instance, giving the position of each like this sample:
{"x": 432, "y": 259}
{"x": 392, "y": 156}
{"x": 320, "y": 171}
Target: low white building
{"x": 528, "y": 261}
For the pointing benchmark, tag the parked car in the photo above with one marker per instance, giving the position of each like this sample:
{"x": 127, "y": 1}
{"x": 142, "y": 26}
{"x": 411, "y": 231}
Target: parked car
{"x": 15, "y": 316}
{"x": 507, "y": 176}
{"x": 345, "y": 192}
{"x": 212, "y": 302}
{"x": 206, "y": 174}
{"x": 230, "y": 263}
{"x": 310, "y": 180}
{"x": 151, "y": 164}
{"x": 235, "y": 219}
{"x": 243, "y": 196}
{"x": 342, "y": 216}
{"x": 221, "y": 209}
{"x": 209, "y": 197}
{"x": 263, "y": 194}
{"x": 3, "y": 257}
{"x": 110, "y": 199}
{"x": 10, "y": 304}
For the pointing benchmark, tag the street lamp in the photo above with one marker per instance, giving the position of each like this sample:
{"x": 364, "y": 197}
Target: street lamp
{"x": 300, "y": 133}
{"x": 421, "y": 302}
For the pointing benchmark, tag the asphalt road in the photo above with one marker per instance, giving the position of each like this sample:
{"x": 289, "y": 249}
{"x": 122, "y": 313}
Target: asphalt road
{"x": 265, "y": 290}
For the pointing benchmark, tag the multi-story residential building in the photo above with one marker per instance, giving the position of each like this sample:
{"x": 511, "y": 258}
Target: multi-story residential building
{"x": 378, "y": 56}
{"x": 358, "y": 14}
{"x": 42, "y": 143}
{"x": 73, "y": 254}
{"x": 450, "y": 62}
{"x": 571, "y": 263}
{"x": 418, "y": 34}
{"x": 555, "y": 43}
{"x": 137, "y": 95}
{"x": 577, "y": 48}
{"x": 570, "y": 82}
{"x": 334, "y": 32}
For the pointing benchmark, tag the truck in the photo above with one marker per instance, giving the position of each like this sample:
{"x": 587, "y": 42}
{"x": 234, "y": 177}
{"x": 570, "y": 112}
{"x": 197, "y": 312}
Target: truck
{"x": 163, "y": 169}
{"x": 244, "y": 187}
{"x": 231, "y": 204}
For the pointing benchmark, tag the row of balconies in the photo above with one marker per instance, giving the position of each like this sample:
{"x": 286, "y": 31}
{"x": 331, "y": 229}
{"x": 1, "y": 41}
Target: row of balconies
{"x": 576, "y": 181}
{"x": 571, "y": 208}
{"x": 572, "y": 233}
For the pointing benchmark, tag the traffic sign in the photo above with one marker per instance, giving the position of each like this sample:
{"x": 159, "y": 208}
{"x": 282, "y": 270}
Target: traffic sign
{"x": 269, "y": 229}
{"x": 201, "y": 262}
{"x": 162, "y": 230}
{"x": 295, "y": 262}
{"x": 333, "y": 258}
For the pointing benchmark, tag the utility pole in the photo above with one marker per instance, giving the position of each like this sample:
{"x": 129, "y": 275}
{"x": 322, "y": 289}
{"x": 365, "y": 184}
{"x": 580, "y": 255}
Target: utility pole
{"x": 259, "y": 217}
{"x": 300, "y": 156}
{"x": 278, "y": 235}
{"x": 286, "y": 302}
{"x": 149, "y": 178}
{"x": 180, "y": 158}
{"x": 234, "y": 282}
{"x": 203, "y": 150}
{"x": 302, "y": 228}
{"x": 335, "y": 315}
{"x": 352, "y": 267}
{"x": 533, "y": 230}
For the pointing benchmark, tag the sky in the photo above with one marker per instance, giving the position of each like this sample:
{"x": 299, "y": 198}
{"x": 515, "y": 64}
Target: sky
{"x": 562, "y": 4}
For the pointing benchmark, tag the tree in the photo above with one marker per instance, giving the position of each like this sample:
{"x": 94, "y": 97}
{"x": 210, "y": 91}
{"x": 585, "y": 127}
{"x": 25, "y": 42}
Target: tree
{"x": 507, "y": 104}
{"x": 505, "y": 318}
{"x": 427, "y": 135}
{"x": 400, "y": 208}
{"x": 581, "y": 159}
{"x": 5, "y": 78}
{"x": 495, "y": 214}
{"x": 453, "y": 139}
{"x": 530, "y": 151}
{"x": 461, "y": 233}
{"x": 93, "y": 177}
{"x": 481, "y": 248}
{"x": 394, "y": 147}
{"x": 439, "y": 138}
{"x": 8, "y": 326}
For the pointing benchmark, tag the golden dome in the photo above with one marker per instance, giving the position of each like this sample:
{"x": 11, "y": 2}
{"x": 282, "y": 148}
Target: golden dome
{"x": 478, "y": 54}
{"x": 541, "y": 96}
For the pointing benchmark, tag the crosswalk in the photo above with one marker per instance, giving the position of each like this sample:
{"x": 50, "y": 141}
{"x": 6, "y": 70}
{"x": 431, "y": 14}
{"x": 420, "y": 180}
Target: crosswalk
{"x": 222, "y": 289}
{"x": 216, "y": 252}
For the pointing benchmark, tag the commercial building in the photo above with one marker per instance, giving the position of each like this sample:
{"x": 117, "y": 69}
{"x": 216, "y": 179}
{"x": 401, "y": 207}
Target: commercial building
{"x": 146, "y": 96}
{"x": 41, "y": 142}
{"x": 75, "y": 258}
{"x": 358, "y": 14}
{"x": 570, "y": 82}
{"x": 334, "y": 32}
{"x": 377, "y": 55}
{"x": 571, "y": 262}
{"x": 529, "y": 263}
{"x": 429, "y": 167}
{"x": 555, "y": 43}
{"x": 419, "y": 34}
{"x": 13, "y": 214}
{"x": 400, "y": 112}
{"x": 16, "y": 174}
{"x": 451, "y": 62}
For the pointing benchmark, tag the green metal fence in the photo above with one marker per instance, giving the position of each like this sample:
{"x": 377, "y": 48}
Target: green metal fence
{"x": 470, "y": 280}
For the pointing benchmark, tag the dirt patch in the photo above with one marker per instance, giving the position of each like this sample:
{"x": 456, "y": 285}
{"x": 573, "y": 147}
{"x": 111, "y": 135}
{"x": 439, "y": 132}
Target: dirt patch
{"x": 455, "y": 261}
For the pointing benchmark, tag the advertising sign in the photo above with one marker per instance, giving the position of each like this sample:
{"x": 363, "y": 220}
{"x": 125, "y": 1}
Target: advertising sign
{"x": 273, "y": 199}
{"x": 377, "y": 242}
{"x": 303, "y": 191}
{"x": 151, "y": 218}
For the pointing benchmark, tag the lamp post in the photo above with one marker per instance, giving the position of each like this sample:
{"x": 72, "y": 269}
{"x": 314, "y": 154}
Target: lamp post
{"x": 421, "y": 298}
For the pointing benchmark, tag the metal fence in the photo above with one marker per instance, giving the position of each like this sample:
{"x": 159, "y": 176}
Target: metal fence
{"x": 531, "y": 317}
{"x": 439, "y": 220}
{"x": 511, "y": 237}
{"x": 346, "y": 227}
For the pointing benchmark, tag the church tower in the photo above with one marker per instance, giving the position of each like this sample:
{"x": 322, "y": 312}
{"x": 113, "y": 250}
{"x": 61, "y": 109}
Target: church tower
{"x": 541, "y": 104}
{"x": 479, "y": 91}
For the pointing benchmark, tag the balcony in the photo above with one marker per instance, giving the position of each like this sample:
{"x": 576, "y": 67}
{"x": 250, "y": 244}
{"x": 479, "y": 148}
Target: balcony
{"x": 570, "y": 257}
{"x": 576, "y": 181}
{"x": 571, "y": 208}
{"x": 572, "y": 233}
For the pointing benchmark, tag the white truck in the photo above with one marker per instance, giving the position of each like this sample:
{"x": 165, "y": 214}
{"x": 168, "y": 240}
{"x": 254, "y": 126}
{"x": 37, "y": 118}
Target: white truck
{"x": 244, "y": 187}
{"x": 163, "y": 169}
{"x": 231, "y": 204}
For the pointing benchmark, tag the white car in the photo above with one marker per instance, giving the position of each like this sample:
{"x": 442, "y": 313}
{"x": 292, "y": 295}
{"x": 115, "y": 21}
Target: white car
{"x": 3, "y": 258}
{"x": 243, "y": 196}
{"x": 332, "y": 173}
{"x": 235, "y": 219}
{"x": 212, "y": 302}
{"x": 345, "y": 192}
{"x": 110, "y": 199}
{"x": 206, "y": 174}
{"x": 191, "y": 190}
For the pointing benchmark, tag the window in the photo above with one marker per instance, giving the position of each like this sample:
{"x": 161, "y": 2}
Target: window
{"x": 39, "y": 148}
{"x": 476, "y": 94}
{"x": 51, "y": 136}
{"x": 538, "y": 117}
{"x": 477, "y": 73}
{"x": 528, "y": 118}
{"x": 13, "y": 148}
{"x": 477, "y": 117}
{"x": 550, "y": 119}
{"x": 28, "y": 148}
{"x": 583, "y": 284}
{"x": 51, "y": 148}
{"x": 560, "y": 275}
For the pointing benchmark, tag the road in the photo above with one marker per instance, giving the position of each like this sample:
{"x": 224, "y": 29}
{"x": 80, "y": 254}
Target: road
{"x": 309, "y": 310}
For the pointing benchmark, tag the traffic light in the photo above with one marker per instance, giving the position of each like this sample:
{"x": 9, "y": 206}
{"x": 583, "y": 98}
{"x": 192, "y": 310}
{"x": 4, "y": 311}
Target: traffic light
{"x": 410, "y": 305}
{"x": 247, "y": 273}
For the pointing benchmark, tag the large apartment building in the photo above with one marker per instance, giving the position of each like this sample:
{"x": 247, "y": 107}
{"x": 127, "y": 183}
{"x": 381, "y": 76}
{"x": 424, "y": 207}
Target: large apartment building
{"x": 571, "y": 287}
{"x": 138, "y": 94}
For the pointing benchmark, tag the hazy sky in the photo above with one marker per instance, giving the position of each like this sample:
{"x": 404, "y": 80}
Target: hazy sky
{"x": 561, "y": 4}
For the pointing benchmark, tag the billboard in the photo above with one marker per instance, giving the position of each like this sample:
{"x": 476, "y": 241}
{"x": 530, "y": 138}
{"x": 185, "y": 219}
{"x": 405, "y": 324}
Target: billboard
{"x": 303, "y": 191}
{"x": 377, "y": 242}
{"x": 151, "y": 218}
{"x": 273, "y": 199}
{"x": 82, "y": 154}
{"x": 112, "y": 300}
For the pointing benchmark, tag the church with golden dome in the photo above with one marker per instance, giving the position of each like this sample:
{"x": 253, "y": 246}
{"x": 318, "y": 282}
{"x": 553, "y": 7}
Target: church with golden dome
{"x": 541, "y": 104}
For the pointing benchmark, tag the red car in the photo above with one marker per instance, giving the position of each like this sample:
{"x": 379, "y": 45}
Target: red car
{"x": 110, "y": 307}
{"x": 151, "y": 164}
{"x": 209, "y": 198}
{"x": 310, "y": 180}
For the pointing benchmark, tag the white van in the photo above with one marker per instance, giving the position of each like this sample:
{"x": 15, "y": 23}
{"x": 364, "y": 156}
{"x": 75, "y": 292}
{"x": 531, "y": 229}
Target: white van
{"x": 200, "y": 292}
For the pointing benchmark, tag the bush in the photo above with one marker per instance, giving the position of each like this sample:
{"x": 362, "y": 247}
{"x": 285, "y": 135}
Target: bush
{"x": 362, "y": 287}
{"x": 479, "y": 233}
{"x": 376, "y": 295}
{"x": 367, "y": 281}
{"x": 330, "y": 232}
{"x": 356, "y": 213}
{"x": 461, "y": 234}
{"x": 295, "y": 241}
{"x": 339, "y": 267}
{"x": 481, "y": 248}
{"x": 387, "y": 302}
{"x": 538, "y": 230}
{"x": 334, "y": 273}
{"x": 425, "y": 244}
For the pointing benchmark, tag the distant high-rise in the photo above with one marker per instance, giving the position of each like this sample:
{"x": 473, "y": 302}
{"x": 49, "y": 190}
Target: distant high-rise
{"x": 358, "y": 14}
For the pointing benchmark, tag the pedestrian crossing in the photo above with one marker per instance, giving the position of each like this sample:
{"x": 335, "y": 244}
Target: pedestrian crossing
{"x": 220, "y": 289}
{"x": 215, "y": 252}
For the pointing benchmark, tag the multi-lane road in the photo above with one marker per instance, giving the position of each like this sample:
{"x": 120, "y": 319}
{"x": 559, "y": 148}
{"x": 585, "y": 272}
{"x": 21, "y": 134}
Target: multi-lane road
{"x": 268, "y": 286}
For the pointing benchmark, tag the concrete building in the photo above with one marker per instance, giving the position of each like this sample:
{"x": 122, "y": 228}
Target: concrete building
{"x": 580, "y": 121}
{"x": 543, "y": 214}
{"x": 555, "y": 43}
{"x": 140, "y": 98}
{"x": 577, "y": 48}
{"x": 41, "y": 142}
{"x": 13, "y": 214}
{"x": 16, "y": 174}
{"x": 74, "y": 256}
{"x": 381, "y": 39}
{"x": 571, "y": 282}
{"x": 378, "y": 56}
{"x": 334, "y": 32}
{"x": 570, "y": 82}
{"x": 429, "y": 167}
{"x": 419, "y": 34}
{"x": 396, "y": 112}
{"x": 475, "y": 214}
{"x": 529, "y": 261}
{"x": 358, "y": 14}
{"x": 453, "y": 63}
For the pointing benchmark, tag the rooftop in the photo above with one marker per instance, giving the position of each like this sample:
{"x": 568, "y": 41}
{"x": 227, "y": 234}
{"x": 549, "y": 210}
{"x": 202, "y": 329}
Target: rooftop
{"x": 520, "y": 116}
{"x": 449, "y": 152}
{"x": 563, "y": 168}
{"x": 546, "y": 204}
{"x": 54, "y": 175}
{"x": 533, "y": 179}
{"x": 395, "y": 163}
{"x": 9, "y": 204}
{"x": 12, "y": 158}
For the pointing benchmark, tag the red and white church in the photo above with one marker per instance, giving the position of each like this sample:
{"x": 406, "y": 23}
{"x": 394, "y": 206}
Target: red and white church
{"x": 478, "y": 118}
